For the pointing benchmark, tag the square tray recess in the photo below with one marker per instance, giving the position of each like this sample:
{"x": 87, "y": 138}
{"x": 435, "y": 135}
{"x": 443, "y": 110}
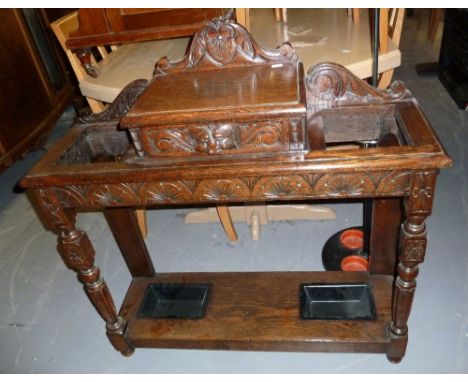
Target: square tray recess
{"x": 337, "y": 302}
{"x": 174, "y": 301}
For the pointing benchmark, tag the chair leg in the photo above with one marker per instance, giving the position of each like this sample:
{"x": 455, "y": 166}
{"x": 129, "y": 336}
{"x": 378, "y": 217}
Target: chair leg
{"x": 226, "y": 222}
{"x": 278, "y": 14}
{"x": 385, "y": 79}
{"x": 356, "y": 15}
{"x": 243, "y": 17}
{"x": 142, "y": 221}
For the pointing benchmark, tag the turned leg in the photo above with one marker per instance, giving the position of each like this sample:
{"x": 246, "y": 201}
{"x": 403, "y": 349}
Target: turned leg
{"x": 78, "y": 254}
{"x": 412, "y": 250}
{"x": 84, "y": 55}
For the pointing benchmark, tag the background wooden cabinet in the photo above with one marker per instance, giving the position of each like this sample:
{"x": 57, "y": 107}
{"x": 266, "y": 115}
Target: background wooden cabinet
{"x": 35, "y": 86}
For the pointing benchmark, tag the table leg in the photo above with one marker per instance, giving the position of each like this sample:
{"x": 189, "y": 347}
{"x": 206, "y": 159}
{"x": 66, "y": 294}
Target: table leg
{"x": 385, "y": 221}
{"x": 412, "y": 250}
{"x": 78, "y": 254}
{"x": 124, "y": 225}
{"x": 383, "y": 243}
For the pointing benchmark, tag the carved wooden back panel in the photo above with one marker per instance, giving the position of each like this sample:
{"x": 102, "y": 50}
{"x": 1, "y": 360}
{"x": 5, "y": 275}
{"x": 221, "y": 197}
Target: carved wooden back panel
{"x": 223, "y": 43}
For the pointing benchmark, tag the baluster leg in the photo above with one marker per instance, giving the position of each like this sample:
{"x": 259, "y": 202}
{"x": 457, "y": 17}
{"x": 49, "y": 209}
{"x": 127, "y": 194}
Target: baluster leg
{"x": 412, "y": 249}
{"x": 78, "y": 254}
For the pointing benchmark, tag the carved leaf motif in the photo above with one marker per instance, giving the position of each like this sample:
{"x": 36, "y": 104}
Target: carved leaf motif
{"x": 164, "y": 192}
{"x": 344, "y": 184}
{"x": 50, "y": 205}
{"x": 111, "y": 195}
{"x": 121, "y": 105}
{"x": 330, "y": 85}
{"x": 250, "y": 182}
{"x": 220, "y": 43}
{"x": 169, "y": 140}
{"x": 281, "y": 186}
{"x": 223, "y": 42}
{"x": 71, "y": 196}
{"x": 395, "y": 182}
{"x": 260, "y": 134}
{"x": 312, "y": 179}
{"x": 222, "y": 190}
{"x": 190, "y": 184}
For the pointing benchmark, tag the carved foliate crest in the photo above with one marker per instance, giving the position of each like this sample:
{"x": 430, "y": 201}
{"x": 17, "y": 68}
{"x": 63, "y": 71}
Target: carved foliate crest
{"x": 121, "y": 105}
{"x": 223, "y": 42}
{"x": 331, "y": 85}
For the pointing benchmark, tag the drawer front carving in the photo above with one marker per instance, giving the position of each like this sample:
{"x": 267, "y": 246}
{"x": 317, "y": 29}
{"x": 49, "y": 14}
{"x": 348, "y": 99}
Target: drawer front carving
{"x": 222, "y": 138}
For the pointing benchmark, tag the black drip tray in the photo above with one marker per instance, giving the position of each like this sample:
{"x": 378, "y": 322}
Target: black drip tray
{"x": 174, "y": 301}
{"x": 337, "y": 302}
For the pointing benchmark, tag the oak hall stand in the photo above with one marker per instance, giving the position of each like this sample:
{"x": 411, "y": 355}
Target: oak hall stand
{"x": 247, "y": 126}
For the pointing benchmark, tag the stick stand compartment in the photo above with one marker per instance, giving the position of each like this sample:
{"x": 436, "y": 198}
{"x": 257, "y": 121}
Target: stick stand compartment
{"x": 337, "y": 301}
{"x": 174, "y": 301}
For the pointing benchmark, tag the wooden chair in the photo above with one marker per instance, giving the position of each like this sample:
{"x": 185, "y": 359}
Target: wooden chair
{"x": 391, "y": 24}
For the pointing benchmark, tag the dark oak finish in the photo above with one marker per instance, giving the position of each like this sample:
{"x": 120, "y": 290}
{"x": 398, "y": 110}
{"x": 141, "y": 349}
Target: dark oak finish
{"x": 333, "y": 160}
{"x": 386, "y": 219}
{"x": 237, "y": 318}
{"x": 124, "y": 225}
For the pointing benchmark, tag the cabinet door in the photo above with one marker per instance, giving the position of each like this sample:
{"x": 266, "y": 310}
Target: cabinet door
{"x": 35, "y": 85}
{"x": 130, "y": 19}
{"x": 24, "y": 98}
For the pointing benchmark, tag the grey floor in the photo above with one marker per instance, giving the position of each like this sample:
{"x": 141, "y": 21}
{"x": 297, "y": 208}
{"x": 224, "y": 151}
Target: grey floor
{"x": 48, "y": 325}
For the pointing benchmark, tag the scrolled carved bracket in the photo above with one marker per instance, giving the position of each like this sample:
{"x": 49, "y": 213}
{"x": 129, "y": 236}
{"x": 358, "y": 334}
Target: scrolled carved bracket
{"x": 331, "y": 85}
{"x": 223, "y": 42}
{"x": 121, "y": 105}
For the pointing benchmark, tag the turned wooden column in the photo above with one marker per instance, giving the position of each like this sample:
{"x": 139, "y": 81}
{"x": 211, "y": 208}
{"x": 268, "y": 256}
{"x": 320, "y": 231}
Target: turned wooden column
{"x": 412, "y": 249}
{"x": 78, "y": 254}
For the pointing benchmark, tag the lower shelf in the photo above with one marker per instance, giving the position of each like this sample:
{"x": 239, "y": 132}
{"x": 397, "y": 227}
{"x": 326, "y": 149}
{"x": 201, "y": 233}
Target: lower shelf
{"x": 260, "y": 311}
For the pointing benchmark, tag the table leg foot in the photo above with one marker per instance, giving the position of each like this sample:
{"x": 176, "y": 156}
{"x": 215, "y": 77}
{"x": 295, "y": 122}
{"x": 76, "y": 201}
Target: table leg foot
{"x": 116, "y": 334}
{"x": 397, "y": 348}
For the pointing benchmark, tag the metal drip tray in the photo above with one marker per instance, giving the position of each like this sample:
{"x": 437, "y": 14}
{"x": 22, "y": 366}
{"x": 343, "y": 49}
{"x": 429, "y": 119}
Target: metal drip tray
{"x": 174, "y": 301}
{"x": 337, "y": 302}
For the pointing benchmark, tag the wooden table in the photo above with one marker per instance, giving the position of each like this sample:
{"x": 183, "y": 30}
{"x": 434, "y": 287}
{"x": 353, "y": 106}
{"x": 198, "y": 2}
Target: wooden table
{"x": 95, "y": 167}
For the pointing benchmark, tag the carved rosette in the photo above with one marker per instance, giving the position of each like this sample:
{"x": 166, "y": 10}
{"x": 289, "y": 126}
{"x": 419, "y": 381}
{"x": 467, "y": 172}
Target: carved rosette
{"x": 223, "y": 42}
{"x": 422, "y": 192}
{"x": 241, "y": 189}
{"x": 331, "y": 85}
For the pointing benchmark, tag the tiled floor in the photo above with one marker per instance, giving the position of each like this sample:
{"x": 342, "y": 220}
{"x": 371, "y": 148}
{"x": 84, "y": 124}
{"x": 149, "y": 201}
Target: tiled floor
{"x": 48, "y": 325}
